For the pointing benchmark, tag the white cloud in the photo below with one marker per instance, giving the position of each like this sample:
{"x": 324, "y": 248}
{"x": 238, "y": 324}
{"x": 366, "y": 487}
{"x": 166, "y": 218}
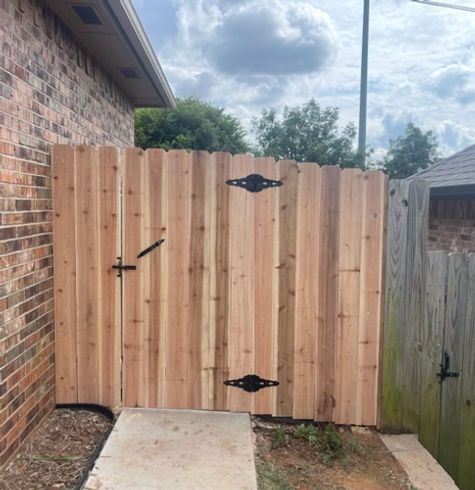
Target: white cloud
{"x": 248, "y": 54}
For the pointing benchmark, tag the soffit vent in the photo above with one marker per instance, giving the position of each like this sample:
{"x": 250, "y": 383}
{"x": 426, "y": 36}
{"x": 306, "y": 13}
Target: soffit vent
{"x": 87, "y": 15}
{"x": 129, "y": 73}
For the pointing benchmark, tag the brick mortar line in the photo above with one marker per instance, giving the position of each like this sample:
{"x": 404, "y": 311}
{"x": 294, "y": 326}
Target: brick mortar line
{"x": 29, "y": 299}
{"x": 26, "y": 275}
{"x": 5, "y": 339}
{"x": 24, "y": 263}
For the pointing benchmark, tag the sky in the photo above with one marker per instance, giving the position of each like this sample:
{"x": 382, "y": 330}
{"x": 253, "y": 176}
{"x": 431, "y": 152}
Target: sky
{"x": 246, "y": 55}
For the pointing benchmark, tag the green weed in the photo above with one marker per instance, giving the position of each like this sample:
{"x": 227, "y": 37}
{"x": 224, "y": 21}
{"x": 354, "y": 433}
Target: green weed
{"x": 326, "y": 441}
{"x": 271, "y": 477}
{"x": 278, "y": 438}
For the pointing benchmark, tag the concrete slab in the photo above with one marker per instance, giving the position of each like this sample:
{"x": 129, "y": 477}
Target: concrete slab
{"x": 176, "y": 449}
{"x": 422, "y": 469}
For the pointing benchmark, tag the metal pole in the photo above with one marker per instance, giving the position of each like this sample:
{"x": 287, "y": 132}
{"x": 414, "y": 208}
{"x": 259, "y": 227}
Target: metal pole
{"x": 364, "y": 82}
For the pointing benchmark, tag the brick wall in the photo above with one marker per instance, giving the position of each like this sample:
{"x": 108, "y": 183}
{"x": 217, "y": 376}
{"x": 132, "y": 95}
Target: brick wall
{"x": 51, "y": 91}
{"x": 452, "y": 224}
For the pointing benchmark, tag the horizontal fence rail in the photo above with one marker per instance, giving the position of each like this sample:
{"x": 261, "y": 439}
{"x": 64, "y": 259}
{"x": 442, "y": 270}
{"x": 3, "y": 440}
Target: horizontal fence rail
{"x": 279, "y": 277}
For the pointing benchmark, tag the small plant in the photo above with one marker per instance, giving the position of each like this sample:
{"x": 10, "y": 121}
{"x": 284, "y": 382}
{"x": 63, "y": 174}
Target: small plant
{"x": 278, "y": 438}
{"x": 326, "y": 441}
{"x": 271, "y": 477}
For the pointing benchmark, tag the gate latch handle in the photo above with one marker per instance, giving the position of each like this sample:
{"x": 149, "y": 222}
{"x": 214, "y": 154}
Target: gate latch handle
{"x": 120, "y": 266}
{"x": 444, "y": 369}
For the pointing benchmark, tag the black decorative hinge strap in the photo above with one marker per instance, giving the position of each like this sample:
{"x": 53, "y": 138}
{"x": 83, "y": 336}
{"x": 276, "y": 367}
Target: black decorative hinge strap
{"x": 251, "y": 383}
{"x": 152, "y": 247}
{"x": 120, "y": 266}
{"x": 255, "y": 183}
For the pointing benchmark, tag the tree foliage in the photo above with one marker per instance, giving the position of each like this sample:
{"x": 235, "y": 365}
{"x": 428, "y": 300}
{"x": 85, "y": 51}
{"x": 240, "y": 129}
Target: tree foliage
{"x": 307, "y": 133}
{"x": 413, "y": 151}
{"x": 192, "y": 125}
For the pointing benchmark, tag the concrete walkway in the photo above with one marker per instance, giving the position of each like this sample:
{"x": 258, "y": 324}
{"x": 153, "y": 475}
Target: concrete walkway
{"x": 176, "y": 449}
{"x": 422, "y": 469}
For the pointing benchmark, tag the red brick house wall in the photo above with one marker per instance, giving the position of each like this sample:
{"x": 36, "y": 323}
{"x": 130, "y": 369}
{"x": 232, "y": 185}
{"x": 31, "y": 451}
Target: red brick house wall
{"x": 51, "y": 91}
{"x": 452, "y": 224}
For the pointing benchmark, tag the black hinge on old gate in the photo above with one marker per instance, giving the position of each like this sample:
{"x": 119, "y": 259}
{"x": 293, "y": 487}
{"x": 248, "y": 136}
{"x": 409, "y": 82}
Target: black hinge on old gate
{"x": 122, "y": 267}
{"x": 444, "y": 369}
{"x": 251, "y": 383}
{"x": 254, "y": 183}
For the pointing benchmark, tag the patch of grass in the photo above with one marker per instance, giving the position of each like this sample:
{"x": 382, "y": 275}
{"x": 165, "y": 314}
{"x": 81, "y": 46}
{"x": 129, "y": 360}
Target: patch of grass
{"x": 278, "y": 438}
{"x": 271, "y": 477}
{"x": 326, "y": 440}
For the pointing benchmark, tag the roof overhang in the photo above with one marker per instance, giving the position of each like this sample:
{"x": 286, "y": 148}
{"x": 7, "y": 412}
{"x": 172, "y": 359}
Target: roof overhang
{"x": 453, "y": 191}
{"x": 112, "y": 32}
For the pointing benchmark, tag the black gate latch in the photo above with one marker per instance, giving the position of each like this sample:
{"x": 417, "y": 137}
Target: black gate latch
{"x": 444, "y": 369}
{"x": 251, "y": 383}
{"x": 122, "y": 267}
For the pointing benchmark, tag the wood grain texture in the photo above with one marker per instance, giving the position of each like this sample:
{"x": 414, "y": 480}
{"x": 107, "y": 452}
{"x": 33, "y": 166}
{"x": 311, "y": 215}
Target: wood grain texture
{"x": 454, "y": 336}
{"x": 241, "y": 340}
{"x": 466, "y": 469}
{"x": 349, "y": 271}
{"x": 87, "y": 192}
{"x": 108, "y": 287}
{"x": 371, "y": 279}
{"x": 327, "y": 293}
{"x": 432, "y": 342}
{"x": 306, "y": 291}
{"x": 287, "y": 172}
{"x": 64, "y": 245}
{"x": 395, "y": 300}
{"x": 132, "y": 284}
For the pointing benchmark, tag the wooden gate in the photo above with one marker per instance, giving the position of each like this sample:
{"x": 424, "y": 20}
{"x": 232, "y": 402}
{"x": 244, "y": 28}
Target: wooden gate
{"x": 429, "y": 338}
{"x": 284, "y": 283}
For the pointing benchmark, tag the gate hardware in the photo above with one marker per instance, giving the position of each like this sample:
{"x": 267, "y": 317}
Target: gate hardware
{"x": 444, "y": 369}
{"x": 254, "y": 183}
{"x": 121, "y": 267}
{"x": 251, "y": 383}
{"x": 152, "y": 247}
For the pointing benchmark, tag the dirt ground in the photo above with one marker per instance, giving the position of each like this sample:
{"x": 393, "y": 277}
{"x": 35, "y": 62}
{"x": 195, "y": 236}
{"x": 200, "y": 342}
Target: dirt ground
{"x": 57, "y": 453}
{"x": 289, "y": 456}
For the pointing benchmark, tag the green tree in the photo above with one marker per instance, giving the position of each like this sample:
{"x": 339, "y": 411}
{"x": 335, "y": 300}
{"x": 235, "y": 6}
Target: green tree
{"x": 410, "y": 152}
{"x": 192, "y": 125}
{"x": 307, "y": 133}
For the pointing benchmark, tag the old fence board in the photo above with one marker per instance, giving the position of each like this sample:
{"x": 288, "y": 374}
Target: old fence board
{"x": 284, "y": 283}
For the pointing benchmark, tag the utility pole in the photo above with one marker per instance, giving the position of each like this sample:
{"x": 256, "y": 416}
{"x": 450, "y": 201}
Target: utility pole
{"x": 364, "y": 82}
{"x": 446, "y": 5}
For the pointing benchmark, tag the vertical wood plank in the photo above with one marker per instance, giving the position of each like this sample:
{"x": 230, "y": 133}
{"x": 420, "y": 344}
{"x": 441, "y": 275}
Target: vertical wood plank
{"x": 242, "y": 285}
{"x": 64, "y": 245}
{"x": 416, "y": 271}
{"x": 109, "y": 286}
{"x": 287, "y": 172}
{"x": 306, "y": 291}
{"x": 349, "y": 270}
{"x": 264, "y": 209}
{"x": 198, "y": 278}
{"x": 179, "y": 233}
{"x": 220, "y": 276}
{"x": 466, "y": 468}
{"x": 154, "y": 230}
{"x": 132, "y": 281}
{"x": 327, "y": 293}
{"x": 87, "y": 273}
{"x": 395, "y": 300}
{"x": 369, "y": 337}
{"x": 432, "y": 340}
{"x": 455, "y": 318}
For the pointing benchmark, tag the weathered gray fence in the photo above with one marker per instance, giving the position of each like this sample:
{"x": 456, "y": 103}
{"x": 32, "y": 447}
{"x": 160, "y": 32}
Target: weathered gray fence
{"x": 429, "y": 337}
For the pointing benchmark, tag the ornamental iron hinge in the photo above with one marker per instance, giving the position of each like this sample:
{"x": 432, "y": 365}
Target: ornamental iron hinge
{"x": 120, "y": 266}
{"x": 251, "y": 383}
{"x": 444, "y": 369}
{"x": 255, "y": 183}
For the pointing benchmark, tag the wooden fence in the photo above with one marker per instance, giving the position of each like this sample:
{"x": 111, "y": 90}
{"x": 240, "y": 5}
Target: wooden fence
{"x": 284, "y": 283}
{"x": 429, "y": 324}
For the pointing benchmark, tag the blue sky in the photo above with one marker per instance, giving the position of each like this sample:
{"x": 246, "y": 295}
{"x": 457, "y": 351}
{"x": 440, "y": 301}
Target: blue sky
{"x": 245, "y": 55}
